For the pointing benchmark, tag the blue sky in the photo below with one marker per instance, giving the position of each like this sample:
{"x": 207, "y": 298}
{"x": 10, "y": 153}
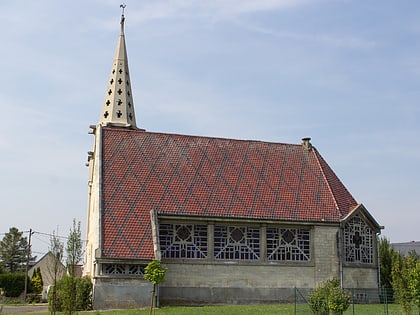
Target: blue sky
{"x": 345, "y": 73}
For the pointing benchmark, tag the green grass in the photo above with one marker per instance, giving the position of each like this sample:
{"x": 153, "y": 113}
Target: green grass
{"x": 282, "y": 309}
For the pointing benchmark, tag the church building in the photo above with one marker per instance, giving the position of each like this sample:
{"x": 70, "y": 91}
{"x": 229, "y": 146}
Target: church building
{"x": 234, "y": 221}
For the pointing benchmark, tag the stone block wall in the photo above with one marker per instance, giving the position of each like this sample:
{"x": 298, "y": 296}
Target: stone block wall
{"x": 325, "y": 249}
{"x": 112, "y": 293}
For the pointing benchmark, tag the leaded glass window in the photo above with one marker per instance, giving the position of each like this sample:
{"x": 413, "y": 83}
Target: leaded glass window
{"x": 183, "y": 240}
{"x": 286, "y": 244}
{"x": 234, "y": 242}
{"x": 358, "y": 241}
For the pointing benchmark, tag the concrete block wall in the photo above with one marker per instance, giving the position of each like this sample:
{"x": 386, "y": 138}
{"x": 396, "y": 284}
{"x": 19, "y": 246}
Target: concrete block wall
{"x": 362, "y": 277}
{"x": 112, "y": 293}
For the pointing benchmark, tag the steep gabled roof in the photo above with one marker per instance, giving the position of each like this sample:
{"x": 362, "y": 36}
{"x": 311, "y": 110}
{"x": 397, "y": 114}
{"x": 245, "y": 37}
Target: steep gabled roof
{"x": 208, "y": 177}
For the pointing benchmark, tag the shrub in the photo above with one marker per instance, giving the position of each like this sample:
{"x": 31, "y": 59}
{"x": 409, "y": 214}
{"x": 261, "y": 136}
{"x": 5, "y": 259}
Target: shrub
{"x": 84, "y": 294}
{"x": 36, "y": 281}
{"x": 329, "y": 296}
{"x": 66, "y": 300}
{"x": 13, "y": 284}
{"x": 338, "y": 300}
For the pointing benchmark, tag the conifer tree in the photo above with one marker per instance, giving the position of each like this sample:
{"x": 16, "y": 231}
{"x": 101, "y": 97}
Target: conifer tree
{"x": 14, "y": 249}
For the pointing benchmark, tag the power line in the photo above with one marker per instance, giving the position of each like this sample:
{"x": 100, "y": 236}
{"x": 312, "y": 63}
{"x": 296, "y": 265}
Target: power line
{"x": 43, "y": 233}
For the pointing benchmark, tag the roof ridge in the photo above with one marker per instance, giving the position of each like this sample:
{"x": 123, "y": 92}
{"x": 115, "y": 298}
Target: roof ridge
{"x": 198, "y": 136}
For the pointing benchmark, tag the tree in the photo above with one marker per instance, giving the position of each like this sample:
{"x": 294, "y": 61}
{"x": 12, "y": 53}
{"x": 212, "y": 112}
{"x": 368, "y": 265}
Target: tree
{"x": 74, "y": 248}
{"x": 14, "y": 249}
{"x": 74, "y": 256}
{"x": 386, "y": 254}
{"x": 36, "y": 281}
{"x": 56, "y": 250}
{"x": 155, "y": 274}
{"x": 406, "y": 280}
{"x": 414, "y": 283}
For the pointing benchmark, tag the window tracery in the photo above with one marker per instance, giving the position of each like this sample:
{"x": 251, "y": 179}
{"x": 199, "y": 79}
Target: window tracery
{"x": 122, "y": 269}
{"x": 285, "y": 244}
{"x": 358, "y": 241}
{"x": 233, "y": 242}
{"x": 183, "y": 240}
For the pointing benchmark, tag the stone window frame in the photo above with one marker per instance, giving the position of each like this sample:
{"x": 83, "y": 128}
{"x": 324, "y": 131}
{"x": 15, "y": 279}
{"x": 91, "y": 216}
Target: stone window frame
{"x": 359, "y": 241}
{"x": 236, "y": 242}
{"x": 244, "y": 249}
{"x": 288, "y": 244}
{"x": 183, "y": 240}
{"x": 121, "y": 269}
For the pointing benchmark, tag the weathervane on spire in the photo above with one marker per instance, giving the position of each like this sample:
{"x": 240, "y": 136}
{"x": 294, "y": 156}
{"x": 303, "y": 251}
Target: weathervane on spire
{"x": 122, "y": 6}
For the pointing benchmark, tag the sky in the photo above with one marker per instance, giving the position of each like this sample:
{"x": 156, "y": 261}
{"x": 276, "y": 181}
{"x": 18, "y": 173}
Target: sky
{"x": 345, "y": 73}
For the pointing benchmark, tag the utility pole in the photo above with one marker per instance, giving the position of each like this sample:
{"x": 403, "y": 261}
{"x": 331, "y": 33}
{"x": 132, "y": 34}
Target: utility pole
{"x": 28, "y": 254}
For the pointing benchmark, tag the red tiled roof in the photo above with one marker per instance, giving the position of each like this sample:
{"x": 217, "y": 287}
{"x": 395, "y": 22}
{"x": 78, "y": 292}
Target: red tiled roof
{"x": 208, "y": 177}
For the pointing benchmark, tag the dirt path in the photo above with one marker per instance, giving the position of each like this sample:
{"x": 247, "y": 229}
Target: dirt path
{"x": 14, "y": 309}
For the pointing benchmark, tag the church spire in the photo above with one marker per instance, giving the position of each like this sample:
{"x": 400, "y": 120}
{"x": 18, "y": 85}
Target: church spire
{"x": 118, "y": 106}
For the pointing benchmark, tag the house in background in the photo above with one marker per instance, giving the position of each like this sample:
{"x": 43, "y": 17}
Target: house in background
{"x": 407, "y": 247}
{"x": 49, "y": 270}
{"x": 234, "y": 221}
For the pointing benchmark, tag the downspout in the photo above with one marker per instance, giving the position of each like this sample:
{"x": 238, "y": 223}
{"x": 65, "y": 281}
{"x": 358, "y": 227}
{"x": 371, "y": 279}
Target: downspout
{"x": 378, "y": 258}
{"x": 340, "y": 254}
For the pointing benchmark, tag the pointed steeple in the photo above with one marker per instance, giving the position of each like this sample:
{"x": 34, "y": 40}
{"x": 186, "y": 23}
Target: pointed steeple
{"x": 118, "y": 105}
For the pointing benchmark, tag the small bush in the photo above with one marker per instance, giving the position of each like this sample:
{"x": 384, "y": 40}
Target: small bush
{"x": 84, "y": 294}
{"x": 68, "y": 301}
{"x": 13, "y": 284}
{"x": 329, "y": 296}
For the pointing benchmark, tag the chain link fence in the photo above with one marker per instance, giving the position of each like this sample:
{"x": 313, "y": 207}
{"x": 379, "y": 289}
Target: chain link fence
{"x": 363, "y": 302}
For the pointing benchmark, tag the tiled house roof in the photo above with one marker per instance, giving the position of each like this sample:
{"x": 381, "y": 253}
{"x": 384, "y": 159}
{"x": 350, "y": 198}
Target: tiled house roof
{"x": 208, "y": 177}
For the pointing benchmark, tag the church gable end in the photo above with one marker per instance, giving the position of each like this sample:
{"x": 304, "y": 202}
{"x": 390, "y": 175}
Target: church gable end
{"x": 359, "y": 234}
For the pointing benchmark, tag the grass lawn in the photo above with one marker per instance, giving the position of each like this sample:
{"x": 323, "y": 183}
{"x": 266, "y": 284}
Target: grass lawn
{"x": 281, "y": 309}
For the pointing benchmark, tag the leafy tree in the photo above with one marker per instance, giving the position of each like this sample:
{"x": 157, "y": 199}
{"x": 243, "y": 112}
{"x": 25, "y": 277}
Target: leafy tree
{"x": 405, "y": 280}
{"x": 414, "y": 283}
{"x": 74, "y": 248}
{"x": 56, "y": 249}
{"x": 155, "y": 274}
{"x": 74, "y": 256}
{"x": 386, "y": 255}
{"x": 13, "y": 251}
